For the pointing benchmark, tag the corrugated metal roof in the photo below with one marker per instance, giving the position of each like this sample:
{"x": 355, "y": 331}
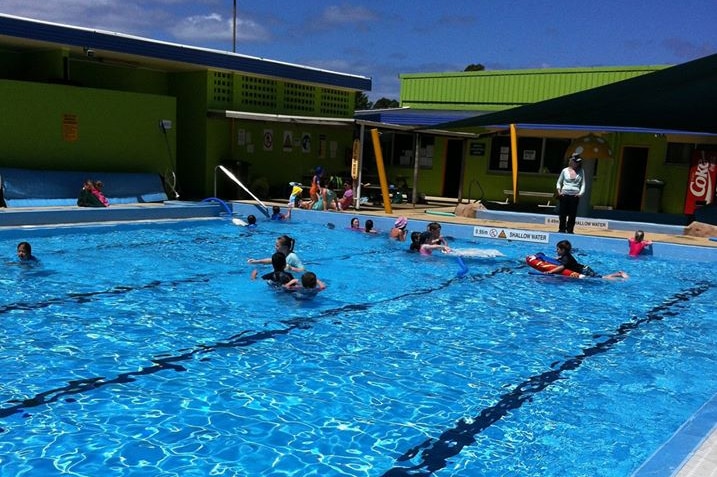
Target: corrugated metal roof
{"x": 52, "y": 33}
{"x": 679, "y": 98}
{"x": 498, "y": 90}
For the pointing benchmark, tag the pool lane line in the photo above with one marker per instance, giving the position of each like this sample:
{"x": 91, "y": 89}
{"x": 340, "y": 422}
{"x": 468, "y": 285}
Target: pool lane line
{"x": 86, "y": 297}
{"x": 164, "y": 361}
{"x": 434, "y": 453}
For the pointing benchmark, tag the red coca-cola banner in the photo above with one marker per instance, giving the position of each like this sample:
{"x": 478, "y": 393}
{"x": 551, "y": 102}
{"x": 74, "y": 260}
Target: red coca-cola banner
{"x": 701, "y": 180}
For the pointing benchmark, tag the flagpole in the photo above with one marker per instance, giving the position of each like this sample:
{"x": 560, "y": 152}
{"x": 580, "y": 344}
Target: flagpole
{"x": 234, "y": 29}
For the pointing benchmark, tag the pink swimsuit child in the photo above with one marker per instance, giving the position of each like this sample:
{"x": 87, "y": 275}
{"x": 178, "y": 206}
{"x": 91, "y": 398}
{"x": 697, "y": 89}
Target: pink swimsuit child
{"x": 636, "y": 248}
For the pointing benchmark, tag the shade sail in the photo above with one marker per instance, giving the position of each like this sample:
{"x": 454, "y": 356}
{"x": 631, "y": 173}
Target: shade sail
{"x": 680, "y": 98}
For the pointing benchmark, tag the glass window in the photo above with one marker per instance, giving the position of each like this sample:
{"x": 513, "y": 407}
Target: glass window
{"x": 539, "y": 155}
{"x": 679, "y": 153}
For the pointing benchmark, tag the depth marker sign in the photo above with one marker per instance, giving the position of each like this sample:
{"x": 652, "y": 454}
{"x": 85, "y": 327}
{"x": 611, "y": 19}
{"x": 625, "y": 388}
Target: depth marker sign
{"x": 511, "y": 234}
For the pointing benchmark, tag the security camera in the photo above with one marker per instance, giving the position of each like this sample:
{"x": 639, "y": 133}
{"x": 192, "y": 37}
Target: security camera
{"x": 89, "y": 52}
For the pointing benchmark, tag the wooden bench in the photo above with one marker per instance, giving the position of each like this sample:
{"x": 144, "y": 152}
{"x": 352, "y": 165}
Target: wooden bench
{"x": 526, "y": 193}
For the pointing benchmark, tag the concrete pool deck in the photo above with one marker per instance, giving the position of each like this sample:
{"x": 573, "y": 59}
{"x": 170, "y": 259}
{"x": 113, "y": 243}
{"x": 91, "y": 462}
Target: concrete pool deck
{"x": 692, "y": 450}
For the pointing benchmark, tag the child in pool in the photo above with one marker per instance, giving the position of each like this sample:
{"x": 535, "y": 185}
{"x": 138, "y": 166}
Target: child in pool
{"x": 638, "y": 244}
{"x": 564, "y": 255}
{"x": 368, "y": 227}
{"x": 285, "y": 245}
{"x": 277, "y": 215}
{"x": 278, "y": 276}
{"x": 415, "y": 242}
{"x": 398, "y": 232}
{"x": 309, "y": 281}
{"x": 24, "y": 253}
{"x": 433, "y": 240}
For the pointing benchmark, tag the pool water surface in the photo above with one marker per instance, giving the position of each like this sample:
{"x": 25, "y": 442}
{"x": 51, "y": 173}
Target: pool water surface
{"x": 137, "y": 351}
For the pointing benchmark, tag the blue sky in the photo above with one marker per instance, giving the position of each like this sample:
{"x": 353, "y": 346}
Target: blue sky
{"x": 382, "y": 39}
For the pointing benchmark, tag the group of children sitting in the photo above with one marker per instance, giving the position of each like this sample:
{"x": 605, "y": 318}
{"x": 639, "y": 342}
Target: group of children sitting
{"x": 91, "y": 195}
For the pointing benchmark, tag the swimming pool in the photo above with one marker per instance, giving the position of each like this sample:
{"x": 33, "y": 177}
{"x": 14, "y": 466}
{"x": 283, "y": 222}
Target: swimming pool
{"x": 149, "y": 351}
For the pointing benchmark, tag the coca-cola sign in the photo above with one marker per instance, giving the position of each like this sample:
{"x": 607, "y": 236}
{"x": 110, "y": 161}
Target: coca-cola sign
{"x": 701, "y": 180}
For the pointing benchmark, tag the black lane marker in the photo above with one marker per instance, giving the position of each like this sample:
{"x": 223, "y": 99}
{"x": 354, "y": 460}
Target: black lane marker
{"x": 87, "y": 297}
{"x": 434, "y": 453}
{"x": 164, "y": 362}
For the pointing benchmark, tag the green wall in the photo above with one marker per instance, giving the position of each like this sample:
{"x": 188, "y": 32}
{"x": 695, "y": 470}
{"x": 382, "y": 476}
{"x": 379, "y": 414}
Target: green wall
{"x": 604, "y": 186}
{"x": 327, "y": 146}
{"x": 49, "y": 126}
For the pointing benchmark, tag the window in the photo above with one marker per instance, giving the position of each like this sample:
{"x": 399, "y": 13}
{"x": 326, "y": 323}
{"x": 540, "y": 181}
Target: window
{"x": 539, "y": 155}
{"x": 679, "y": 153}
{"x": 399, "y": 149}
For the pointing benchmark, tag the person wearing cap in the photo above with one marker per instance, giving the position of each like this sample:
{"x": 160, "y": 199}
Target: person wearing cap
{"x": 399, "y": 232}
{"x": 570, "y": 187}
{"x": 295, "y": 195}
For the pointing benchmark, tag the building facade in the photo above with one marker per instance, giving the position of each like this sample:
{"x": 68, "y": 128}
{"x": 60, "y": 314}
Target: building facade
{"x": 80, "y": 99}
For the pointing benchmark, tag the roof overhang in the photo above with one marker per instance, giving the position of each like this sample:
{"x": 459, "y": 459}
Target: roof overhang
{"x": 331, "y": 121}
{"x": 26, "y": 34}
{"x": 416, "y": 129}
{"x": 283, "y": 118}
{"x": 572, "y": 131}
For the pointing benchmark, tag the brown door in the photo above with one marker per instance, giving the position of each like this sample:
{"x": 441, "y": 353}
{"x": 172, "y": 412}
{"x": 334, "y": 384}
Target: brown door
{"x": 454, "y": 162}
{"x": 632, "y": 178}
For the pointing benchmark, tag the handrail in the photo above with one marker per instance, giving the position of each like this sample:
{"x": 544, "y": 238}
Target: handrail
{"x": 230, "y": 175}
{"x": 227, "y": 209}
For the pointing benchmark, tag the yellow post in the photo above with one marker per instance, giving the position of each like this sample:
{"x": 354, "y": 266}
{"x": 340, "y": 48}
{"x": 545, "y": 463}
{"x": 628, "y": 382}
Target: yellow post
{"x": 381, "y": 172}
{"x": 514, "y": 160}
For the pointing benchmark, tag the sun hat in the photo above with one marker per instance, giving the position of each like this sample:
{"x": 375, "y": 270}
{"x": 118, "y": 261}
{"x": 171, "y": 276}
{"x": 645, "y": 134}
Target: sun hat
{"x": 401, "y": 222}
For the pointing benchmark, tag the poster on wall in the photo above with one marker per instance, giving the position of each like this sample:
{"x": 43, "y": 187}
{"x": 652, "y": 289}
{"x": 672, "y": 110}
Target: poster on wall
{"x": 701, "y": 180}
{"x": 70, "y": 128}
{"x": 288, "y": 143}
{"x": 268, "y": 141}
{"x": 333, "y": 148}
{"x": 305, "y": 142}
{"x": 322, "y": 146}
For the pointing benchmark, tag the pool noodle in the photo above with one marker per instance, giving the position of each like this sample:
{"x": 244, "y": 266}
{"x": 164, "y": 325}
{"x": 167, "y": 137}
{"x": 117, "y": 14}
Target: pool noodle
{"x": 464, "y": 270}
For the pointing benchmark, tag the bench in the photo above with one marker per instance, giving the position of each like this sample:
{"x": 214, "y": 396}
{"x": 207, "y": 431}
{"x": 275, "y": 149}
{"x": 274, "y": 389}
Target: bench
{"x": 42, "y": 188}
{"x": 526, "y": 193}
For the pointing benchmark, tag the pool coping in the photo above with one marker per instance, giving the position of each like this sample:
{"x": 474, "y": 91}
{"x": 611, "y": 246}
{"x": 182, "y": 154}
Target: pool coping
{"x": 684, "y": 453}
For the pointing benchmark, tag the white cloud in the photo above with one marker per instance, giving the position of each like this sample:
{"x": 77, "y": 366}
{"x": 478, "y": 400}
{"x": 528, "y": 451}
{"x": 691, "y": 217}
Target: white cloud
{"x": 213, "y": 27}
{"x": 347, "y": 14}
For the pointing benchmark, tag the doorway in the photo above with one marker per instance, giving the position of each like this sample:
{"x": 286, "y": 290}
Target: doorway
{"x": 632, "y": 178}
{"x": 452, "y": 172}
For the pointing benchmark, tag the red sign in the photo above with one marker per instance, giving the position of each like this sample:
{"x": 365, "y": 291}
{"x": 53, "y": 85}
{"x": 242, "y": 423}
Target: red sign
{"x": 701, "y": 180}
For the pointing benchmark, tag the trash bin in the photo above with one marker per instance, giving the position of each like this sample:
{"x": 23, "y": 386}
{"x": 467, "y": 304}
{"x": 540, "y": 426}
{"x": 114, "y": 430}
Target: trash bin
{"x": 653, "y": 195}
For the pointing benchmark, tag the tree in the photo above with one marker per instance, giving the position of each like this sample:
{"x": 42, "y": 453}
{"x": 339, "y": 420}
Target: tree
{"x": 385, "y": 103}
{"x": 475, "y": 67}
{"x": 362, "y": 101}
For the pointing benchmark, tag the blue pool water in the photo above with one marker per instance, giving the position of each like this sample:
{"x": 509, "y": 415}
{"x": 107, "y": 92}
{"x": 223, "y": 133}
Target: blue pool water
{"x": 136, "y": 351}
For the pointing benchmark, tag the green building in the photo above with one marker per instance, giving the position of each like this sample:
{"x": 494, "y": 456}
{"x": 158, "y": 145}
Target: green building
{"x": 642, "y": 154}
{"x": 87, "y": 100}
